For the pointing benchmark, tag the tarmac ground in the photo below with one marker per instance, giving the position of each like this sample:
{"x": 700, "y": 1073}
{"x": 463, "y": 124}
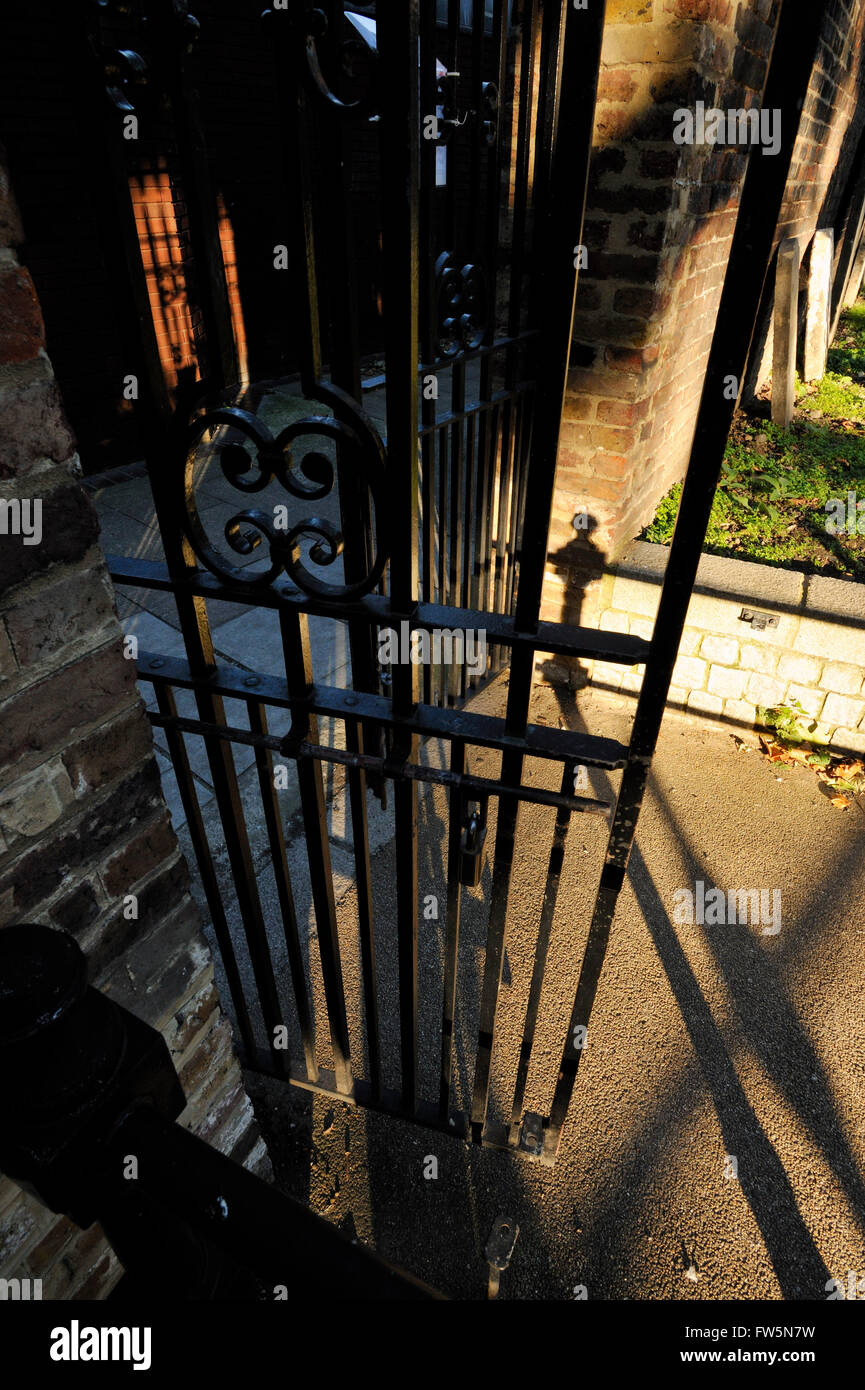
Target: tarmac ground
{"x": 715, "y": 1143}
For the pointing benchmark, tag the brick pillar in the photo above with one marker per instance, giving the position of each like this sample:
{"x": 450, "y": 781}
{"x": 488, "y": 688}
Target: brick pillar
{"x": 659, "y": 225}
{"x": 85, "y": 837}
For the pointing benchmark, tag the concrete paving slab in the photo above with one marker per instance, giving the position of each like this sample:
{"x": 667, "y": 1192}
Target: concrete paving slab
{"x": 134, "y": 498}
{"x": 120, "y": 534}
{"x": 253, "y": 640}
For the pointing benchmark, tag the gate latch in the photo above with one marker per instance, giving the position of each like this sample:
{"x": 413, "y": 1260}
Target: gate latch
{"x": 474, "y": 834}
{"x": 759, "y": 621}
{"x": 499, "y": 1249}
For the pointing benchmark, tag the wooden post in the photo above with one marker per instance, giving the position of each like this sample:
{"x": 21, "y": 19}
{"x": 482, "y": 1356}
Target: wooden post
{"x": 819, "y": 297}
{"x": 854, "y": 284}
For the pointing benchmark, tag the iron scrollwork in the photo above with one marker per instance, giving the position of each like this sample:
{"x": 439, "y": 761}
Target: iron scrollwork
{"x": 360, "y": 449}
{"x": 356, "y": 57}
{"x": 125, "y": 70}
{"x": 462, "y": 301}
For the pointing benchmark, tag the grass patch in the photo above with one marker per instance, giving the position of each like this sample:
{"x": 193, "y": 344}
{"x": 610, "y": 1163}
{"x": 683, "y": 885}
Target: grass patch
{"x": 771, "y": 500}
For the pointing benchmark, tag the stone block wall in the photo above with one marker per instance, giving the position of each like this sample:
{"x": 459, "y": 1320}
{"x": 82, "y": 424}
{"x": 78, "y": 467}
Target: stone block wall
{"x": 86, "y": 842}
{"x": 727, "y": 666}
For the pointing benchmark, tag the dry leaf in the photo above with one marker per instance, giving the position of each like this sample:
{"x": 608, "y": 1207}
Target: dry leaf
{"x": 848, "y": 770}
{"x": 799, "y": 755}
{"x": 775, "y": 752}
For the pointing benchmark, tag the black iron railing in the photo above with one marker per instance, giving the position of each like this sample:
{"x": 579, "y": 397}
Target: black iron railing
{"x": 439, "y": 516}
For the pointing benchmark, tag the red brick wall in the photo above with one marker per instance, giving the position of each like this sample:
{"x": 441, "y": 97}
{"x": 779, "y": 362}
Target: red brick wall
{"x": 659, "y": 226}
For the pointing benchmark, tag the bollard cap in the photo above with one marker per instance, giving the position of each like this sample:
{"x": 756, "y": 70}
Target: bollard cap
{"x": 42, "y": 974}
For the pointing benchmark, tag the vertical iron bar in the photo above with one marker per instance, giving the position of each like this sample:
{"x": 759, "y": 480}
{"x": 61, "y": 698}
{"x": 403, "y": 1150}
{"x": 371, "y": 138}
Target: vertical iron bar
{"x": 198, "y": 835}
{"x": 457, "y": 503}
{"x": 452, "y": 933}
{"x": 571, "y": 37}
{"x": 793, "y": 56}
{"x": 294, "y": 625}
{"x": 452, "y": 187}
{"x": 304, "y": 726}
{"x": 282, "y": 877}
{"x": 488, "y": 420}
{"x": 174, "y": 32}
{"x": 444, "y": 542}
{"x": 542, "y": 945}
{"x": 360, "y": 840}
{"x": 400, "y": 132}
{"x": 427, "y": 308}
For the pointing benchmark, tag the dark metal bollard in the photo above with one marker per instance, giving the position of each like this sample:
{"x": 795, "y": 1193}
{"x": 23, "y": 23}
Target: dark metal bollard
{"x": 84, "y": 1088}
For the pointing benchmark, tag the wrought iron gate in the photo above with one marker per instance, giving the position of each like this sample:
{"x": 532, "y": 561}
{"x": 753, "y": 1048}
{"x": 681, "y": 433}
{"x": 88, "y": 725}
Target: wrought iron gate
{"x": 437, "y": 520}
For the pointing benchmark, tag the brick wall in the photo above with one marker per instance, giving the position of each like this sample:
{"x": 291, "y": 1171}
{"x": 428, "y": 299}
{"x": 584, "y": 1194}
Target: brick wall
{"x": 85, "y": 837}
{"x": 659, "y": 226}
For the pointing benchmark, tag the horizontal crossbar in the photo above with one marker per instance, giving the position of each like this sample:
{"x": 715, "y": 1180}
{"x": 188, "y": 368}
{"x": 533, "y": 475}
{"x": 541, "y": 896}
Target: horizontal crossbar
{"x": 427, "y": 721}
{"x": 388, "y": 767}
{"x": 561, "y": 639}
{"x": 387, "y": 1102}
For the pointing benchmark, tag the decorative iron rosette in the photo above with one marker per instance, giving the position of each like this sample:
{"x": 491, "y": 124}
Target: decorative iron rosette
{"x": 462, "y": 305}
{"x": 311, "y": 478}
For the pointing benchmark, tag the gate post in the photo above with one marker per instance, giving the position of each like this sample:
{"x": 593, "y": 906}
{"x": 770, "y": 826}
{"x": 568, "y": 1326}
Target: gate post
{"x": 819, "y": 297}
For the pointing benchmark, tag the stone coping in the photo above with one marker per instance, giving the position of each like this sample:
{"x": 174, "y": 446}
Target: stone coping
{"x": 766, "y": 586}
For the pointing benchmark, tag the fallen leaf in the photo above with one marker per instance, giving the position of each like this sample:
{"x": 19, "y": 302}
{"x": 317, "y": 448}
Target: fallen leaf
{"x": 798, "y": 755}
{"x": 775, "y": 752}
{"x": 848, "y": 769}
